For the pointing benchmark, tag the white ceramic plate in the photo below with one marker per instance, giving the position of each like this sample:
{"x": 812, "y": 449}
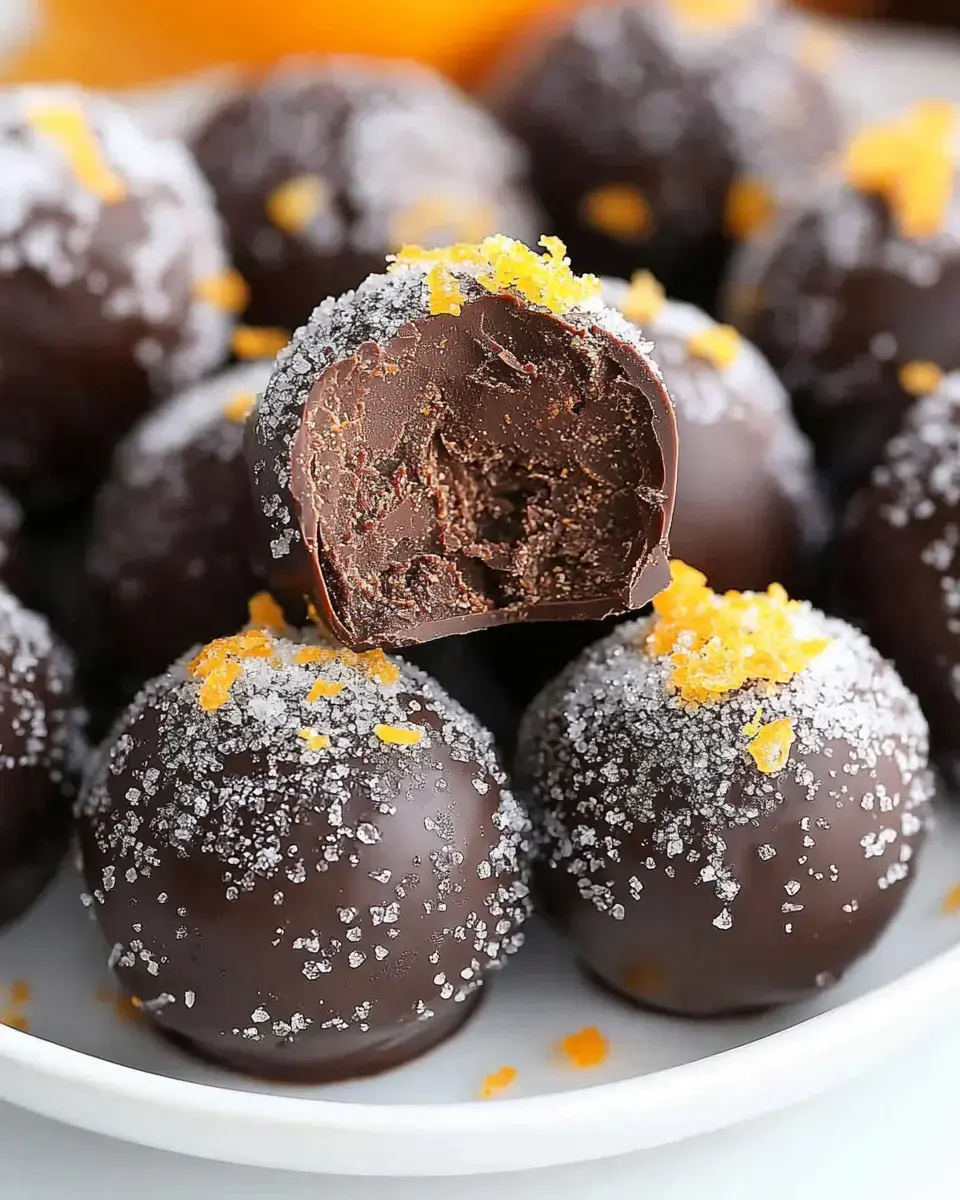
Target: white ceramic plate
{"x": 664, "y": 1078}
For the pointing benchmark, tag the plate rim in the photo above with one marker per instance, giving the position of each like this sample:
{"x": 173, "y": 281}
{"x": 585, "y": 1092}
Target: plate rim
{"x": 602, "y": 1119}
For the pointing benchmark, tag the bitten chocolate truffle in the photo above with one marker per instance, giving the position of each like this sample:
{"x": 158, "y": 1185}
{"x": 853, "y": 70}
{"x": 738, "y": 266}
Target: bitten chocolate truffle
{"x": 748, "y": 510}
{"x": 328, "y": 165}
{"x": 41, "y": 735}
{"x": 659, "y": 130}
{"x": 896, "y": 558}
{"x": 851, "y": 299}
{"x": 115, "y": 277}
{"x": 731, "y": 796}
{"x": 469, "y": 440}
{"x": 306, "y": 860}
{"x": 169, "y": 560}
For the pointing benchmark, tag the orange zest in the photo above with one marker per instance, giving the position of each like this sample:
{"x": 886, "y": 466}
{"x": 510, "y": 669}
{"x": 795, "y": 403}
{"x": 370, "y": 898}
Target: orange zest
{"x": 397, "y": 735}
{"x": 497, "y": 1082}
{"x": 713, "y": 14}
{"x": 324, "y": 689}
{"x": 770, "y": 746}
{"x": 749, "y": 208}
{"x": 585, "y": 1049}
{"x": 239, "y": 407}
{"x": 313, "y": 740}
{"x": 719, "y": 345}
{"x": 619, "y": 210}
{"x": 716, "y": 644}
{"x": 644, "y": 299}
{"x": 293, "y": 204}
{"x": 228, "y": 291}
{"x": 372, "y": 663}
{"x": 504, "y": 265}
{"x": 220, "y": 664}
{"x": 252, "y": 342}
{"x": 66, "y": 125}
{"x": 444, "y": 291}
{"x": 910, "y": 163}
{"x": 920, "y": 378}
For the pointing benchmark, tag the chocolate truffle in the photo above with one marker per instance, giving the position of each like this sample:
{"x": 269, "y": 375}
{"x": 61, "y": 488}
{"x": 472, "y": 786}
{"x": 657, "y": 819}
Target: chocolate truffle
{"x": 852, "y": 297}
{"x": 748, "y": 511}
{"x": 41, "y": 733}
{"x": 731, "y": 796}
{"x": 328, "y": 165}
{"x": 168, "y": 560}
{"x": 659, "y": 128}
{"x": 896, "y": 558}
{"x": 114, "y": 273}
{"x": 306, "y": 860}
{"x": 469, "y": 440}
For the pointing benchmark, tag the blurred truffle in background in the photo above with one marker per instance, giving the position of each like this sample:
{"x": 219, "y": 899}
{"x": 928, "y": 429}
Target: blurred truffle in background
{"x": 660, "y": 132}
{"x": 328, "y": 165}
{"x": 114, "y": 279}
{"x": 853, "y": 297}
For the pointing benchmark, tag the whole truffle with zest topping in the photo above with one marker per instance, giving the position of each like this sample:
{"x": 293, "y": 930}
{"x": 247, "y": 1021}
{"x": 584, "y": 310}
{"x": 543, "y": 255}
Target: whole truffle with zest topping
{"x": 306, "y": 860}
{"x": 471, "y": 439}
{"x": 851, "y": 298}
{"x": 110, "y": 257}
{"x": 169, "y": 560}
{"x": 748, "y": 509}
{"x": 41, "y": 735}
{"x": 731, "y": 797}
{"x": 897, "y": 558}
{"x": 327, "y": 165}
{"x": 660, "y": 130}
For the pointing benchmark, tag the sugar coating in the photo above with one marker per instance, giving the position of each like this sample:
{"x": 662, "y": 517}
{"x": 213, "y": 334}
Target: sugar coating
{"x": 920, "y": 474}
{"x": 383, "y": 138}
{"x": 149, "y": 483}
{"x": 375, "y": 313}
{"x": 606, "y": 749}
{"x": 136, "y": 260}
{"x": 236, "y": 783}
{"x": 43, "y": 726}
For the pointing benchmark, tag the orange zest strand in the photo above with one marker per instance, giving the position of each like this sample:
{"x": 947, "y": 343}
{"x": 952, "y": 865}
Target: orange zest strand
{"x": 252, "y": 342}
{"x": 497, "y": 1082}
{"x": 586, "y": 1049}
{"x": 717, "y": 644}
{"x": 66, "y": 125}
{"x": 228, "y": 292}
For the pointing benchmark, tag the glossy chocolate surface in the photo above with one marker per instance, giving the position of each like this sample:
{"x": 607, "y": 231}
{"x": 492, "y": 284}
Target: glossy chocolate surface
{"x": 169, "y": 558}
{"x": 304, "y": 889}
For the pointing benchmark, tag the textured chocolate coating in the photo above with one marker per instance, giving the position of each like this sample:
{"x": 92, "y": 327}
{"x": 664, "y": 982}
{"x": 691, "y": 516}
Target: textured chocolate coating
{"x": 748, "y": 510}
{"x": 636, "y": 95}
{"x": 427, "y": 475}
{"x": 100, "y": 314}
{"x": 168, "y": 558}
{"x": 686, "y": 878}
{"x": 399, "y": 155}
{"x": 896, "y": 558}
{"x": 838, "y": 300}
{"x": 41, "y": 733}
{"x": 301, "y": 913}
